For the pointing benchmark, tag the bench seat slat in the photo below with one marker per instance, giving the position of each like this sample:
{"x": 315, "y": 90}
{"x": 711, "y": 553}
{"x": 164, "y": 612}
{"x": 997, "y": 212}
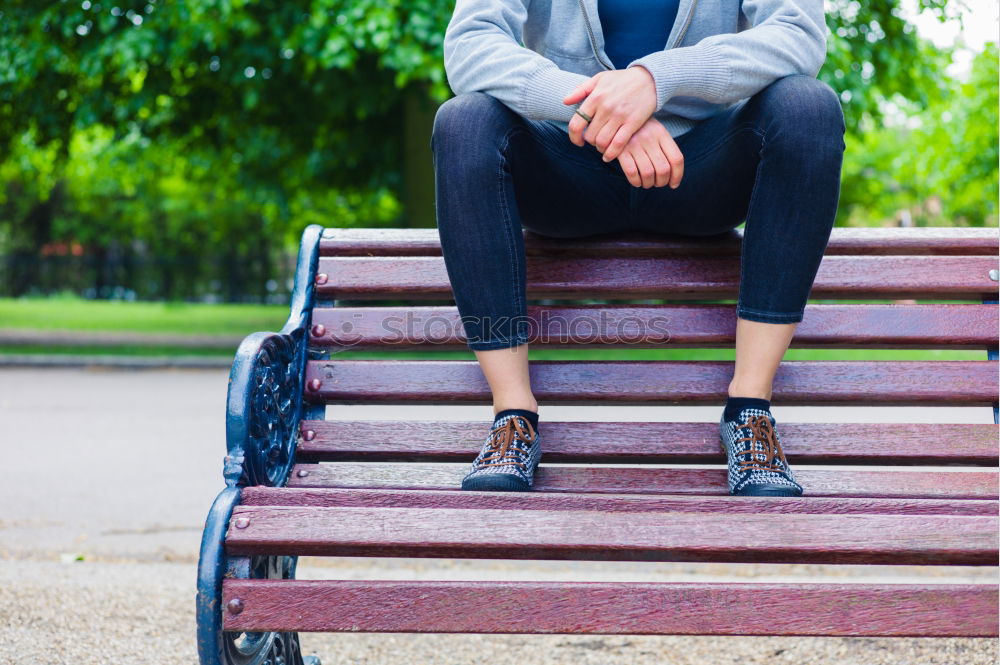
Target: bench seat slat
{"x": 369, "y": 498}
{"x": 630, "y": 480}
{"x": 425, "y": 277}
{"x": 953, "y": 383}
{"x": 621, "y": 608}
{"x": 954, "y": 326}
{"x": 599, "y": 536}
{"x": 876, "y": 241}
{"x": 652, "y": 442}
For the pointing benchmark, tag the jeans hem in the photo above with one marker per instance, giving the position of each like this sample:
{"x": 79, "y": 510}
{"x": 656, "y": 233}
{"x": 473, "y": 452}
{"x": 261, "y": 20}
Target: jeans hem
{"x": 768, "y": 317}
{"x": 492, "y": 344}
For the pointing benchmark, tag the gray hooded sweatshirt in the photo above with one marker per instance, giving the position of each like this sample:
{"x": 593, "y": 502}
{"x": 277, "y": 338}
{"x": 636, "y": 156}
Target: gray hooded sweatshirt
{"x": 530, "y": 54}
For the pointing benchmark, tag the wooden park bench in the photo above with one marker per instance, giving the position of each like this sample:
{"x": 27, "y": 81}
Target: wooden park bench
{"x": 298, "y": 484}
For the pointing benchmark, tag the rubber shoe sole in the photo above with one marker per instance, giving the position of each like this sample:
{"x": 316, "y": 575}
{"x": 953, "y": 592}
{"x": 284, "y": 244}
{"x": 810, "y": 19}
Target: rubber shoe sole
{"x": 767, "y": 490}
{"x": 495, "y": 482}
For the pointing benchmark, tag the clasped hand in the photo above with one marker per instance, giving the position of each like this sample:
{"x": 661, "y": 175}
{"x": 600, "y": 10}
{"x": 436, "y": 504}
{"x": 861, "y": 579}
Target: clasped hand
{"x": 620, "y": 104}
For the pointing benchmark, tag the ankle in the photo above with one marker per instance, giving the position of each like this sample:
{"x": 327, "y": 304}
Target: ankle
{"x": 736, "y": 405}
{"x": 742, "y": 390}
{"x": 526, "y": 404}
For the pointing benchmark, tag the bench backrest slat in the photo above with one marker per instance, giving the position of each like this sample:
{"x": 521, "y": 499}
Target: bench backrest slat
{"x": 936, "y": 326}
{"x": 621, "y": 608}
{"x": 333, "y": 497}
{"x": 849, "y": 482}
{"x": 425, "y": 277}
{"x": 956, "y": 382}
{"x": 876, "y": 241}
{"x": 652, "y": 442}
{"x": 599, "y": 536}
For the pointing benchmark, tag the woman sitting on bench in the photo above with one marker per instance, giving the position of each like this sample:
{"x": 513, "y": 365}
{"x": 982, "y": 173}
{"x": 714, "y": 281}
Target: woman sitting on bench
{"x": 615, "y": 115}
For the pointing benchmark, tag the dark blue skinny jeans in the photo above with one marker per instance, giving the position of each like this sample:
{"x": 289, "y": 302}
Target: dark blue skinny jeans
{"x": 773, "y": 160}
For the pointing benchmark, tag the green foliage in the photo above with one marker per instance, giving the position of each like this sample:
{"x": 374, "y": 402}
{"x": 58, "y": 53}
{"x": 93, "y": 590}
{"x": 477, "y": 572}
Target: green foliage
{"x": 204, "y": 129}
{"x": 207, "y": 128}
{"x": 875, "y": 55}
{"x": 292, "y": 92}
{"x": 942, "y": 170}
{"x": 314, "y": 84}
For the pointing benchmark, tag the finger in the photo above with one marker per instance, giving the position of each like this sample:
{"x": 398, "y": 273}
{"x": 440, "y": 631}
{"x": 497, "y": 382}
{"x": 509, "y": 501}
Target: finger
{"x": 660, "y": 163}
{"x": 607, "y": 132}
{"x": 676, "y": 158}
{"x": 619, "y": 140}
{"x": 629, "y": 169}
{"x": 595, "y": 127}
{"x": 645, "y": 166}
{"x": 576, "y": 127}
{"x": 581, "y": 91}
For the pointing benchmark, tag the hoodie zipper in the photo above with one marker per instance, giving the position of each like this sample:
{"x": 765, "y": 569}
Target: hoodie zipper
{"x": 593, "y": 40}
{"x": 590, "y": 33}
{"x": 687, "y": 22}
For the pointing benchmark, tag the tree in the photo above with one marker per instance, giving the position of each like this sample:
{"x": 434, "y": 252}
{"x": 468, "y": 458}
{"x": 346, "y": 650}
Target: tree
{"x": 940, "y": 166}
{"x": 208, "y": 128}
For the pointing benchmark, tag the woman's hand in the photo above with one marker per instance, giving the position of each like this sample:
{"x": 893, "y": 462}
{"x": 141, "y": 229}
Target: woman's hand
{"x": 618, "y": 102}
{"x": 651, "y": 158}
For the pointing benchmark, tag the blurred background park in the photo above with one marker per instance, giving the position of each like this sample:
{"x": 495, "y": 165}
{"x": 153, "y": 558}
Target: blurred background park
{"x": 160, "y": 159}
{"x": 158, "y": 162}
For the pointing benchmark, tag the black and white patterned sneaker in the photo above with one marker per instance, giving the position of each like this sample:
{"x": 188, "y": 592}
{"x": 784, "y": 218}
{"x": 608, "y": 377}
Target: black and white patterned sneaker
{"x": 509, "y": 457}
{"x": 757, "y": 464}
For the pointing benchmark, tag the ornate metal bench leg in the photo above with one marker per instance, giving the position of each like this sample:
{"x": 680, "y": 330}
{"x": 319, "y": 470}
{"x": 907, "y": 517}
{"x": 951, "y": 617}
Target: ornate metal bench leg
{"x": 262, "y": 421}
{"x": 219, "y": 647}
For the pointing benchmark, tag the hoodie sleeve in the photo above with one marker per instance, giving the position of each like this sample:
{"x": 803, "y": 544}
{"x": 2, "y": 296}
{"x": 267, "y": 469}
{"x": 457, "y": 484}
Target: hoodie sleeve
{"x": 483, "y": 53}
{"x": 786, "y": 37}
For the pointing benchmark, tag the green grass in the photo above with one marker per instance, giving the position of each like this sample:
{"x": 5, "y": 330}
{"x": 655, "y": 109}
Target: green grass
{"x": 142, "y": 317}
{"x": 122, "y": 350}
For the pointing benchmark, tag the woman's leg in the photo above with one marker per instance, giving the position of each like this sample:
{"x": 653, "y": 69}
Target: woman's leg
{"x": 773, "y": 161}
{"x": 506, "y": 372}
{"x": 759, "y": 350}
{"x": 496, "y": 172}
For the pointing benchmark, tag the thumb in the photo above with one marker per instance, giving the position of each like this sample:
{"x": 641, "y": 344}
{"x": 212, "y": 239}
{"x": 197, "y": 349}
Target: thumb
{"x": 581, "y": 91}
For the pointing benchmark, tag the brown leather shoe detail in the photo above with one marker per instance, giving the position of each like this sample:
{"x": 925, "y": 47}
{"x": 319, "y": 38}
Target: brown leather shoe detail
{"x": 762, "y": 431}
{"x": 502, "y": 440}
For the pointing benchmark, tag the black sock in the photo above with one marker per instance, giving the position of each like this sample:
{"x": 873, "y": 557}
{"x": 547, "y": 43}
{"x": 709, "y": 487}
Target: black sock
{"x": 736, "y": 404}
{"x": 530, "y": 416}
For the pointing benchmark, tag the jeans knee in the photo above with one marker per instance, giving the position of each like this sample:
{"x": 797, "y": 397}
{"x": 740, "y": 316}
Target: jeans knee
{"x": 462, "y": 114}
{"x": 804, "y": 105}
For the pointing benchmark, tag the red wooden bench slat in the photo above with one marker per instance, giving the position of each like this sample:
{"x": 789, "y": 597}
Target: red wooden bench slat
{"x": 631, "y": 480}
{"x": 969, "y": 383}
{"x": 651, "y": 442}
{"x": 621, "y": 608}
{"x": 595, "y": 535}
{"x": 675, "y": 277}
{"x": 362, "y": 498}
{"x": 952, "y": 326}
{"x": 877, "y": 241}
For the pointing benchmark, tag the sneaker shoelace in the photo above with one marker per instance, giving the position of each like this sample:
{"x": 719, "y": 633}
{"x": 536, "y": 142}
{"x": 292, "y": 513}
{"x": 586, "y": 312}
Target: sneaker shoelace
{"x": 501, "y": 445}
{"x": 762, "y": 432}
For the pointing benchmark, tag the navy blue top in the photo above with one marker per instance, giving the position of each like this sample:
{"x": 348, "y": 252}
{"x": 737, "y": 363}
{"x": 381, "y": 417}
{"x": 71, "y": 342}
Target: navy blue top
{"x": 634, "y": 28}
